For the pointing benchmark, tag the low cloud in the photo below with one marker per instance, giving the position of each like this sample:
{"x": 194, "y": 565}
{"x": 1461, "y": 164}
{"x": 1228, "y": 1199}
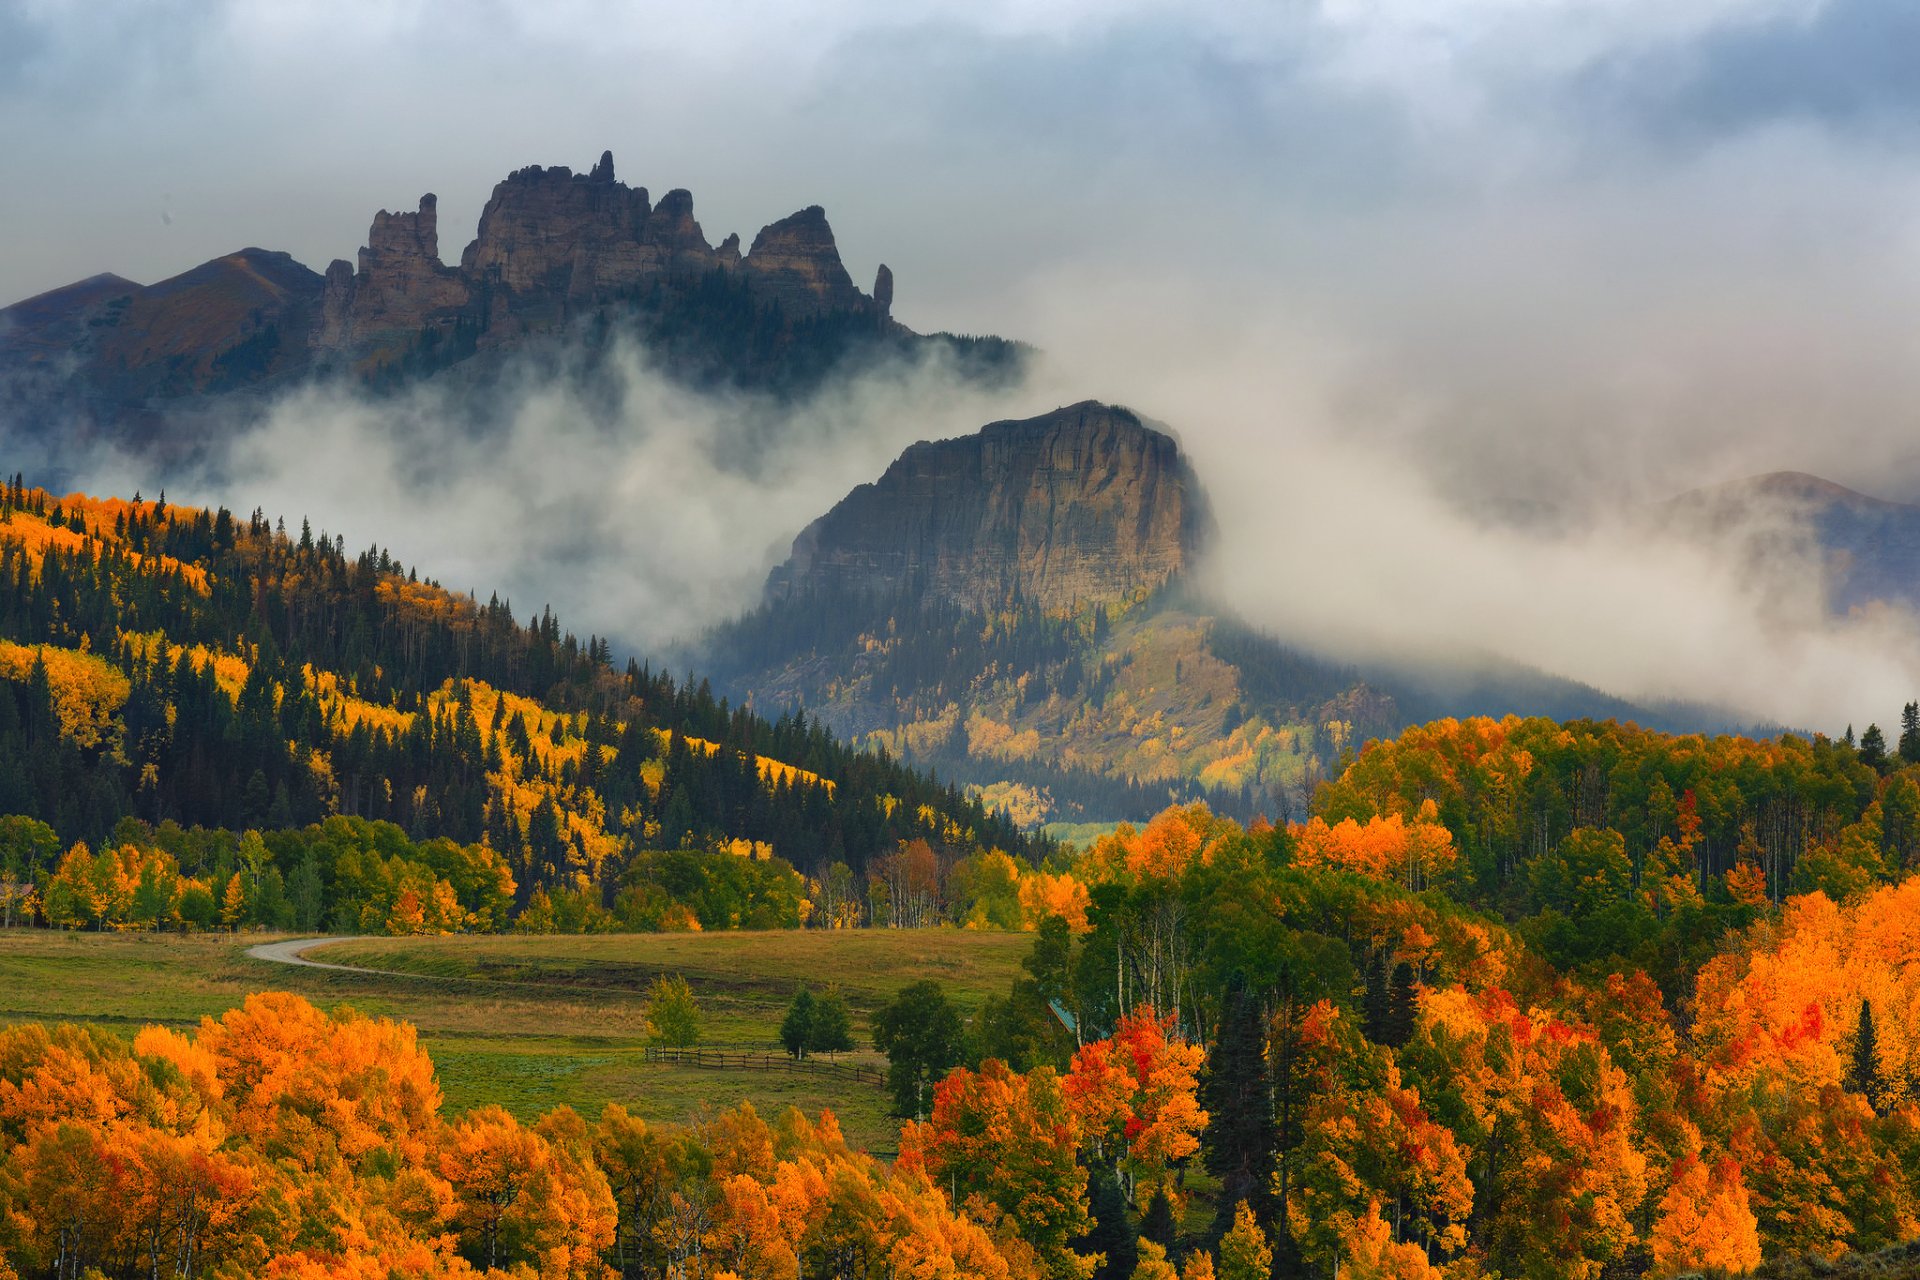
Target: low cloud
{"x": 639, "y": 509}
{"x": 1351, "y": 524}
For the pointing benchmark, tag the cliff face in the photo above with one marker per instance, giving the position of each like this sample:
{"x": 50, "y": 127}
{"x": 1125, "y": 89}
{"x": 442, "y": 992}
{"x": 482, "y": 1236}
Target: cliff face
{"x": 794, "y": 262}
{"x": 1082, "y": 505}
{"x": 401, "y": 284}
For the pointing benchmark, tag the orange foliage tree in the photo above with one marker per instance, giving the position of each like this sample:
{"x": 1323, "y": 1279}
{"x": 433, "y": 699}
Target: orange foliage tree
{"x": 1134, "y": 1096}
{"x": 1415, "y": 853}
{"x": 1705, "y": 1221}
{"x": 1006, "y": 1145}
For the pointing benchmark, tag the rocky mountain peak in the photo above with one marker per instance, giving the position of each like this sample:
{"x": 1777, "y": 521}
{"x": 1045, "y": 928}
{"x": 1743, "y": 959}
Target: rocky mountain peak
{"x": 1082, "y": 505}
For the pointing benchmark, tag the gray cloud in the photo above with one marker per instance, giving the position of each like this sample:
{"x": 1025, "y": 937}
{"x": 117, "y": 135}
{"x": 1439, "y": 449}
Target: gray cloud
{"x": 1846, "y": 66}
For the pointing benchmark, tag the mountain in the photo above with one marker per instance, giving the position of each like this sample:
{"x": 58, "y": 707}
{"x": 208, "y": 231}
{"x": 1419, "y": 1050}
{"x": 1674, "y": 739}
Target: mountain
{"x": 1854, "y": 550}
{"x": 1012, "y": 609}
{"x": 1009, "y": 608}
{"x": 167, "y": 670}
{"x": 555, "y": 253}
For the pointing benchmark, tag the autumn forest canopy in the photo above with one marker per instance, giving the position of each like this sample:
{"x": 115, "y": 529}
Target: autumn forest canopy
{"x": 1515, "y": 998}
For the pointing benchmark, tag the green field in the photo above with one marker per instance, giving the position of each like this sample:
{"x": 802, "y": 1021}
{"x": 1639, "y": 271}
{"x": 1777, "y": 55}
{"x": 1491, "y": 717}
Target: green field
{"x": 531, "y": 1022}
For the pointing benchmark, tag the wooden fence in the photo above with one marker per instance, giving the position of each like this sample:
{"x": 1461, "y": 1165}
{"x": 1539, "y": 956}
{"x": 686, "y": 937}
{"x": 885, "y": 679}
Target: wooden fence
{"x": 764, "y": 1060}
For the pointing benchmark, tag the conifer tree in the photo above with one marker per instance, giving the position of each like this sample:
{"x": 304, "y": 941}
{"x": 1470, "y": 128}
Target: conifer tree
{"x": 1873, "y": 747}
{"x": 1375, "y": 1006}
{"x": 1863, "y": 1074}
{"x": 796, "y": 1029}
{"x": 1240, "y": 1141}
{"x": 1157, "y": 1224}
{"x": 1111, "y": 1233}
{"x": 1910, "y": 733}
{"x": 1401, "y": 1006}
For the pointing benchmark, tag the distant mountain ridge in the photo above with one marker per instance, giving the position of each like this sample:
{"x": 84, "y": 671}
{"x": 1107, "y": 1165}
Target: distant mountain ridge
{"x": 551, "y": 242}
{"x": 1865, "y": 549}
{"x": 553, "y": 250}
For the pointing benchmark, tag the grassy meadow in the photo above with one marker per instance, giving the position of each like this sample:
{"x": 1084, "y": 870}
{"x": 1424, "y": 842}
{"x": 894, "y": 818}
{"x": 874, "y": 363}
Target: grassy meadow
{"x": 531, "y": 1022}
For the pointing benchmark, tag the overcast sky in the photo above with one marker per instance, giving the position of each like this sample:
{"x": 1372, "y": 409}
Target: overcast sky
{"x": 1510, "y": 260}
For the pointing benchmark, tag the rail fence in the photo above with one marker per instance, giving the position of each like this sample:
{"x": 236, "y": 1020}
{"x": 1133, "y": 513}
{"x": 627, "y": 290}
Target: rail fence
{"x": 748, "y": 1060}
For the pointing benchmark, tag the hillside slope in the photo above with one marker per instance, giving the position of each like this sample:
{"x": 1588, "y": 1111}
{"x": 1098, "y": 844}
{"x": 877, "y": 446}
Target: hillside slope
{"x": 1012, "y": 609}
{"x": 179, "y": 666}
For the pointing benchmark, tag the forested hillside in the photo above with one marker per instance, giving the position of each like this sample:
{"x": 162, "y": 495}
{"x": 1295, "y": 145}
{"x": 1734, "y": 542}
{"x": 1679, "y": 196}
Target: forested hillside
{"x": 1114, "y": 710}
{"x": 183, "y": 669}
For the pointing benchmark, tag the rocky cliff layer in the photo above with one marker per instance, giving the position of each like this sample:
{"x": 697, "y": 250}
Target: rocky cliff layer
{"x": 1082, "y": 505}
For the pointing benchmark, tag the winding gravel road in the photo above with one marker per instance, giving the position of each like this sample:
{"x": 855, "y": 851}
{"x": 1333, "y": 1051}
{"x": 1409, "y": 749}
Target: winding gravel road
{"x": 294, "y": 951}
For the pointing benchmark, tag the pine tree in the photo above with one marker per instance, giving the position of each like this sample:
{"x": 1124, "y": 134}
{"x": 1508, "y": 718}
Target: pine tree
{"x": 676, "y": 821}
{"x": 1374, "y": 1010}
{"x": 1111, "y": 1233}
{"x": 1863, "y": 1075}
{"x": 256, "y": 800}
{"x": 1873, "y": 747}
{"x": 1910, "y": 733}
{"x": 1240, "y": 1142}
{"x": 1402, "y": 1007}
{"x": 1158, "y": 1224}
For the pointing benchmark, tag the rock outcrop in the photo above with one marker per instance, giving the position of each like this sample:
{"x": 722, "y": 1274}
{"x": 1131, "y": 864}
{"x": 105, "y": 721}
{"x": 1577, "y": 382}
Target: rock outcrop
{"x": 1082, "y": 505}
{"x": 795, "y": 263}
{"x": 552, "y": 243}
{"x": 548, "y": 236}
{"x": 401, "y": 284}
